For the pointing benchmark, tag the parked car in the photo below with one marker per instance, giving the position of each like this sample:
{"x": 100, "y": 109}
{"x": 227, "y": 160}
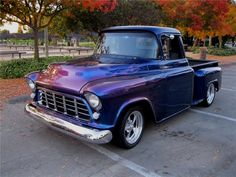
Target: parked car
{"x": 136, "y": 74}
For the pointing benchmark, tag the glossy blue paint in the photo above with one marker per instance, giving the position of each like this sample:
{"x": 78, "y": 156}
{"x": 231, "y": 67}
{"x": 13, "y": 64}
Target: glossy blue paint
{"x": 33, "y": 76}
{"x": 202, "y": 78}
{"x": 154, "y": 29}
{"x": 168, "y": 86}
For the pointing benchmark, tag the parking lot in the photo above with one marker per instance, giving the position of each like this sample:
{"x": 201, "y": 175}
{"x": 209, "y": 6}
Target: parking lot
{"x": 200, "y": 142}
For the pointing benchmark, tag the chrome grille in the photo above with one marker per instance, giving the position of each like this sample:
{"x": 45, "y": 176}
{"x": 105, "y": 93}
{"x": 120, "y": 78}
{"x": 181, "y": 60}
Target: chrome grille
{"x": 63, "y": 104}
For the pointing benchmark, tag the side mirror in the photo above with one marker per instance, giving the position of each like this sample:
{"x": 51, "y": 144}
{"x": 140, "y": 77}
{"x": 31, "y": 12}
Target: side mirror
{"x": 170, "y": 36}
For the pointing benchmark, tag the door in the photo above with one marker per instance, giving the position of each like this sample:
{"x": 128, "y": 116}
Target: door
{"x": 179, "y": 76}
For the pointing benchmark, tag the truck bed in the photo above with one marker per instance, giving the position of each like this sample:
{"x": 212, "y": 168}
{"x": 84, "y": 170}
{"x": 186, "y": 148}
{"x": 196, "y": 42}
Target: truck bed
{"x": 199, "y": 64}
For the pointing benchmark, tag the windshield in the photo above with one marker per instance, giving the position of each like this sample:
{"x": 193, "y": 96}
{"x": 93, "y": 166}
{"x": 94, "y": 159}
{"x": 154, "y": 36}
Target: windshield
{"x": 135, "y": 44}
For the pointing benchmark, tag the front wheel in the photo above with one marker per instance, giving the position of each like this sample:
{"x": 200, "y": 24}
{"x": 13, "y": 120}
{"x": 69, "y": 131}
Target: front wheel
{"x": 129, "y": 132}
{"x": 210, "y": 96}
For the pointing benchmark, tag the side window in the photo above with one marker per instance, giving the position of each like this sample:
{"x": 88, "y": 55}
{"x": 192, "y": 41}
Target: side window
{"x": 172, "y": 48}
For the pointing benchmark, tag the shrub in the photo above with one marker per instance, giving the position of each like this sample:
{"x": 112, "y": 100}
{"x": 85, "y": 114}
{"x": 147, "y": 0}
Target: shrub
{"x": 221, "y": 52}
{"x": 215, "y": 51}
{"x": 20, "y": 67}
{"x": 194, "y": 49}
{"x": 21, "y": 41}
{"x": 87, "y": 44}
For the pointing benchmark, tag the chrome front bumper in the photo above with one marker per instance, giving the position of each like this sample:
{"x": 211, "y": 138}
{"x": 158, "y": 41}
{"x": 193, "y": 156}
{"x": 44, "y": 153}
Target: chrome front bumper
{"x": 91, "y": 135}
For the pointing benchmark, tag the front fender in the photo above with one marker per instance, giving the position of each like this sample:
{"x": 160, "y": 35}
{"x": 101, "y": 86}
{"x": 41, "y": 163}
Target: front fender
{"x": 117, "y": 93}
{"x": 116, "y": 86}
{"x": 33, "y": 75}
{"x": 131, "y": 102}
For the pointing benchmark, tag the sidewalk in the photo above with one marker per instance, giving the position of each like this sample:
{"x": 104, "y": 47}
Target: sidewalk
{"x": 224, "y": 60}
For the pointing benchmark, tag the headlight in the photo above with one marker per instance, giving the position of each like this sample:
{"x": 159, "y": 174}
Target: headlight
{"x": 93, "y": 101}
{"x": 31, "y": 84}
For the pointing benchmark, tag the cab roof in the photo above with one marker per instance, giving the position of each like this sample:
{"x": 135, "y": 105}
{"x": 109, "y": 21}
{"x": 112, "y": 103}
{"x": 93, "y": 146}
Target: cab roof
{"x": 154, "y": 29}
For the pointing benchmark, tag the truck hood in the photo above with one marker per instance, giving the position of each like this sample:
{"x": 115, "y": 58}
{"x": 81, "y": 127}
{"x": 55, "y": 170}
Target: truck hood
{"x": 72, "y": 76}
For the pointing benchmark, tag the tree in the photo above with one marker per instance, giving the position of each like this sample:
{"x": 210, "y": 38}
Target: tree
{"x": 198, "y": 18}
{"x": 231, "y": 19}
{"x": 20, "y": 29}
{"x": 103, "y": 5}
{"x": 37, "y": 14}
{"x": 122, "y": 12}
{"x": 4, "y": 31}
{"x": 58, "y": 27}
{"x": 83, "y": 18}
{"x": 231, "y": 16}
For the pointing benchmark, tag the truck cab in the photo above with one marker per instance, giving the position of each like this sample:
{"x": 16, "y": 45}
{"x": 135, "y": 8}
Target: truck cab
{"x": 136, "y": 74}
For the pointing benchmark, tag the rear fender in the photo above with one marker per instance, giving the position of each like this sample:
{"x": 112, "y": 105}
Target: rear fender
{"x": 203, "y": 78}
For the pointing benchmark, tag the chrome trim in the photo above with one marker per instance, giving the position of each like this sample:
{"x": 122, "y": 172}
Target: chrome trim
{"x": 133, "y": 127}
{"x": 76, "y": 108}
{"x": 210, "y": 93}
{"x": 46, "y": 99}
{"x": 64, "y": 104}
{"x": 87, "y": 134}
{"x": 54, "y": 101}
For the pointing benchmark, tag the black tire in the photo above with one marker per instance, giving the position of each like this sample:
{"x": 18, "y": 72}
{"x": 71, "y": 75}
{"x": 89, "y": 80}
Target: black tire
{"x": 120, "y": 133}
{"x": 210, "y": 95}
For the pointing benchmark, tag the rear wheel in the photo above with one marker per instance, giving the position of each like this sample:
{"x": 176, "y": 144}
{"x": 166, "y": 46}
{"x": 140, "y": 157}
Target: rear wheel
{"x": 210, "y": 96}
{"x": 129, "y": 132}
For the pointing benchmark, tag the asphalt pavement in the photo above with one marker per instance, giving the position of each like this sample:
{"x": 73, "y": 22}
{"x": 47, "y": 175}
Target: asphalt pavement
{"x": 200, "y": 142}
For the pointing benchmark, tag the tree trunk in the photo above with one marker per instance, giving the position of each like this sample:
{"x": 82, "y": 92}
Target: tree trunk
{"x": 220, "y": 41}
{"x": 195, "y": 42}
{"x": 46, "y": 41}
{"x": 92, "y": 37}
{"x": 204, "y": 42}
{"x": 210, "y": 41}
{"x": 36, "y": 45}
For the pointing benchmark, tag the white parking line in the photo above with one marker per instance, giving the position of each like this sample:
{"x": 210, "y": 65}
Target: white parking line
{"x": 228, "y": 70}
{"x": 228, "y": 76}
{"x": 228, "y": 89}
{"x": 214, "y": 115}
{"x": 122, "y": 161}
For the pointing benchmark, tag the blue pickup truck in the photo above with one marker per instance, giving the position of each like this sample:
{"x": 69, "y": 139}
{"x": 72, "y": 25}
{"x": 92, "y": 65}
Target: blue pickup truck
{"x": 136, "y": 74}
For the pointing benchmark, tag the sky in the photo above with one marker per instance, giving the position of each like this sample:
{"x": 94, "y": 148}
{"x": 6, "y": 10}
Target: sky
{"x": 12, "y": 27}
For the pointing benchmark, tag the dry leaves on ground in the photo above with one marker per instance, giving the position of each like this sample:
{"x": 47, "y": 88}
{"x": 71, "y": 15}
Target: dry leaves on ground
{"x": 10, "y": 88}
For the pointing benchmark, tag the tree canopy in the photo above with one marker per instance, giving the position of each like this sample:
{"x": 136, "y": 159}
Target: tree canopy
{"x": 198, "y": 18}
{"x": 123, "y": 12}
{"x": 36, "y": 14}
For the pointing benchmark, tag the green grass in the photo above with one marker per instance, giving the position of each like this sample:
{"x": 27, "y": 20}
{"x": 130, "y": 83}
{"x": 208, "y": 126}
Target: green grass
{"x": 215, "y": 51}
{"x": 87, "y": 44}
{"x": 21, "y": 41}
{"x": 20, "y": 67}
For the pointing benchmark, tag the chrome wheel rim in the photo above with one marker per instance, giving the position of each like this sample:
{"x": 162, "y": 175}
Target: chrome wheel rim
{"x": 210, "y": 93}
{"x": 133, "y": 127}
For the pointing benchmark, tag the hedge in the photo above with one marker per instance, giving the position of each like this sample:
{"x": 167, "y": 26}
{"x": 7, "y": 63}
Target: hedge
{"x": 20, "y": 67}
{"x": 216, "y": 51}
